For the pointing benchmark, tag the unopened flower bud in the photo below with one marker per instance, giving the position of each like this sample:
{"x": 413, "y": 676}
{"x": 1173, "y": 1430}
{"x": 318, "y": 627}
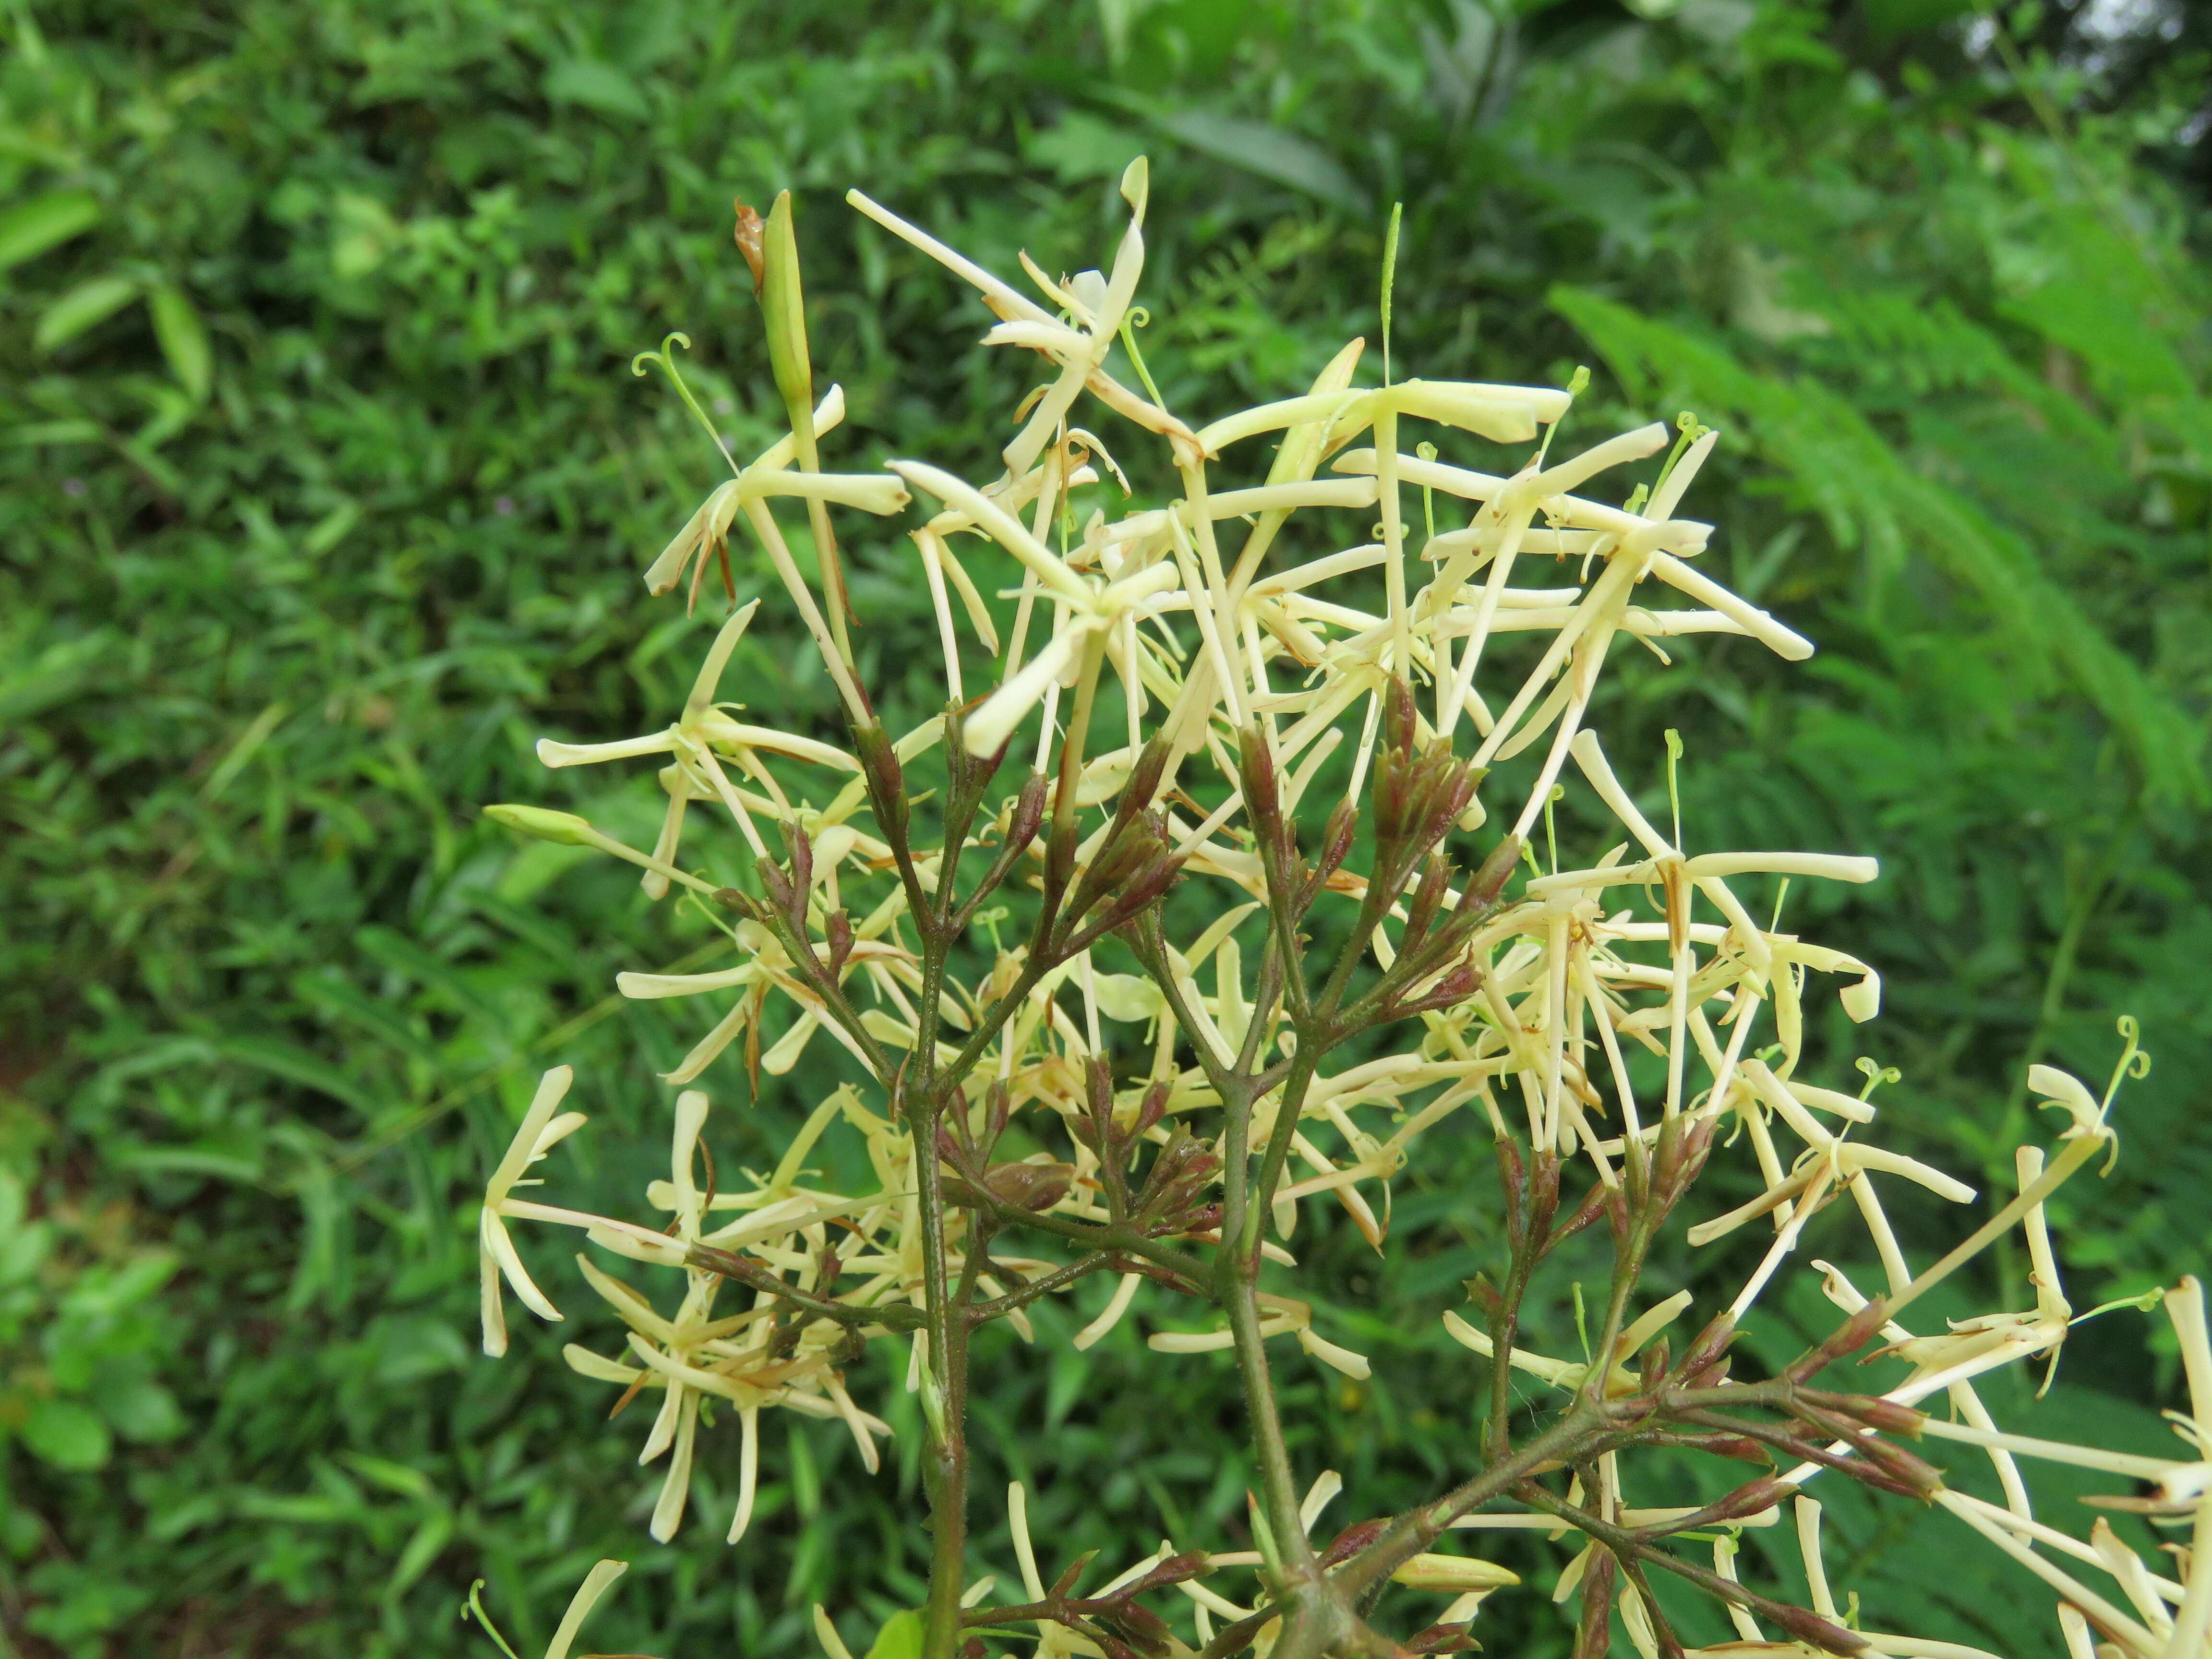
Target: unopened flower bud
{"x": 1753, "y": 1497}
{"x": 1028, "y": 815}
{"x": 1175, "y": 1570}
{"x": 1029, "y": 1186}
{"x": 1401, "y": 721}
{"x": 1490, "y": 877}
{"x": 542, "y": 824}
{"x": 1455, "y": 1574}
{"x": 1441, "y": 1638}
{"x": 886, "y": 779}
{"x": 1154, "y": 1108}
{"x": 1848, "y": 1338}
{"x": 1352, "y": 1539}
{"x": 1808, "y": 1626}
{"x": 1146, "y": 1629}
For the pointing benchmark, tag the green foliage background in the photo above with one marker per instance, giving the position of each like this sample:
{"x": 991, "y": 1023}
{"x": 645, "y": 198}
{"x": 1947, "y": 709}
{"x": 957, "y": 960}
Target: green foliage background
{"x": 325, "y": 490}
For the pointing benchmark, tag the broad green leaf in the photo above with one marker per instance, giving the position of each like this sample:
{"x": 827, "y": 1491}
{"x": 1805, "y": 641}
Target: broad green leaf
{"x": 1266, "y": 150}
{"x": 68, "y": 1434}
{"x": 84, "y": 306}
{"x": 183, "y": 336}
{"x": 141, "y": 1410}
{"x": 899, "y": 1638}
{"x": 29, "y": 228}
{"x": 596, "y": 85}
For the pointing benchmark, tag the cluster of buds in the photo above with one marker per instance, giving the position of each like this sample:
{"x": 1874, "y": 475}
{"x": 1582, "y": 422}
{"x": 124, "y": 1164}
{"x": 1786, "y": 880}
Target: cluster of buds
{"x": 1121, "y": 774}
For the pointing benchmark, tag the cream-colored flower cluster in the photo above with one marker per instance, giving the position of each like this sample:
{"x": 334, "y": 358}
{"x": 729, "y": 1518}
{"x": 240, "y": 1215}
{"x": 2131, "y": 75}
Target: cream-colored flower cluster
{"x": 1149, "y": 654}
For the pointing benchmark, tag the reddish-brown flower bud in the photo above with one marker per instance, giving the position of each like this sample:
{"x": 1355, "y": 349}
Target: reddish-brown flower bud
{"x": 1752, "y": 1498}
{"x": 1513, "y": 1180}
{"x": 885, "y": 779}
{"x": 1583, "y": 1214}
{"x": 1543, "y": 1191}
{"x": 1028, "y": 816}
{"x": 1175, "y": 1570}
{"x": 1145, "y": 1628}
{"x": 1154, "y": 1108}
{"x": 1485, "y": 1295}
{"x": 1336, "y": 840}
{"x": 1594, "y": 1634}
{"x": 1712, "y": 1342}
{"x": 1847, "y": 1339}
{"x": 1808, "y": 1626}
{"x": 780, "y": 893}
{"x": 1400, "y": 719}
{"x": 1490, "y": 877}
{"x": 1741, "y": 1448}
{"x": 731, "y": 899}
{"x": 1428, "y": 899}
{"x": 802, "y": 872}
{"x": 1263, "y": 800}
{"x": 1886, "y": 1415}
{"x": 1441, "y": 1638}
{"x": 1352, "y": 1539}
{"x": 1029, "y": 1186}
{"x": 1144, "y": 784}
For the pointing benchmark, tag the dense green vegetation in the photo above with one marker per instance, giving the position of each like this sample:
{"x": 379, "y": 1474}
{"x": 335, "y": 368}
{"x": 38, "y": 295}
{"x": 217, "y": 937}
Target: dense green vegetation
{"x": 326, "y": 487}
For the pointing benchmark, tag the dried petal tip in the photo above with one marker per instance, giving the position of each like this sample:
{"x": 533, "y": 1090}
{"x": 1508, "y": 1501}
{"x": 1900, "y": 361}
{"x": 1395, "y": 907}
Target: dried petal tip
{"x": 749, "y": 244}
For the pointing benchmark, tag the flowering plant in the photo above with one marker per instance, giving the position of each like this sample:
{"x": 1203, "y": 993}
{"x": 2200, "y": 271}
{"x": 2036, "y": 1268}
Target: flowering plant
{"x": 1172, "y": 686}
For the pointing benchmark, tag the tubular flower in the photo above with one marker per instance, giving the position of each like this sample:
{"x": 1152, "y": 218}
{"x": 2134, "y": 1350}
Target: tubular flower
{"x": 1343, "y": 728}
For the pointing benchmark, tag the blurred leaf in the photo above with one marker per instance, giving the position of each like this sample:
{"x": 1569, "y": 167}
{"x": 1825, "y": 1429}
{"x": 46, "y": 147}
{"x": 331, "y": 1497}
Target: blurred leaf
{"x": 52, "y": 431}
{"x": 393, "y": 1477}
{"x": 900, "y": 1637}
{"x": 1266, "y": 151}
{"x": 84, "y": 306}
{"x": 29, "y": 228}
{"x": 57, "y": 674}
{"x": 297, "y": 1065}
{"x": 596, "y": 86}
{"x": 67, "y": 1434}
{"x": 422, "y": 1549}
{"x": 178, "y": 325}
{"x": 142, "y": 1410}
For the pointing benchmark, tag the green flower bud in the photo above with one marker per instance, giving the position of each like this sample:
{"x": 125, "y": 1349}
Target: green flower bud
{"x": 540, "y": 824}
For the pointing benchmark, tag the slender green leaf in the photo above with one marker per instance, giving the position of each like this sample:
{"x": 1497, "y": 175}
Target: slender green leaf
{"x": 84, "y": 306}
{"x": 183, "y": 336}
